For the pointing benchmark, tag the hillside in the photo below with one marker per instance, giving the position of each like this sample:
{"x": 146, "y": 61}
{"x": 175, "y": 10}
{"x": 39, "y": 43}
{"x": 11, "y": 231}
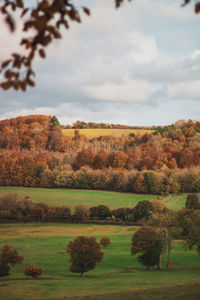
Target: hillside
{"x": 35, "y": 152}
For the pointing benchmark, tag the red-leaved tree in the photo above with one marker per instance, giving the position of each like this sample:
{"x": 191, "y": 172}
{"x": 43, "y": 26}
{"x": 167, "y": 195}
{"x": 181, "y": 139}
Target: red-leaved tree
{"x": 9, "y": 256}
{"x": 85, "y": 253}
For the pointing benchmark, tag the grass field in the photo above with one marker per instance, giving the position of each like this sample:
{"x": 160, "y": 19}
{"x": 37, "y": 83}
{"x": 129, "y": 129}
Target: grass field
{"x": 91, "y": 133}
{"x": 119, "y": 276}
{"x": 175, "y": 202}
{"x": 71, "y": 198}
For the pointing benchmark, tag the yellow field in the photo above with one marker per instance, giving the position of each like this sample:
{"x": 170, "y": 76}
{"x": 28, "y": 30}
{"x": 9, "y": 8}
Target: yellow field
{"x": 44, "y": 230}
{"x": 91, "y": 133}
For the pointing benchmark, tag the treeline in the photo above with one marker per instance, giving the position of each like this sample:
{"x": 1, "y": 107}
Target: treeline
{"x": 177, "y": 145}
{"x": 49, "y": 170}
{"x": 93, "y": 125}
{"x": 14, "y": 208}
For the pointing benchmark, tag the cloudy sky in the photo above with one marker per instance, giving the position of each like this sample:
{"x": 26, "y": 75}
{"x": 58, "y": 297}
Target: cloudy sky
{"x": 138, "y": 65}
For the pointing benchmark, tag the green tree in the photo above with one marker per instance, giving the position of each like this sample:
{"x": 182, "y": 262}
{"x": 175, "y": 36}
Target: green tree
{"x": 142, "y": 210}
{"x": 100, "y": 212}
{"x": 54, "y": 122}
{"x": 192, "y": 201}
{"x": 190, "y": 225}
{"x": 147, "y": 241}
{"x": 85, "y": 253}
{"x": 166, "y": 225}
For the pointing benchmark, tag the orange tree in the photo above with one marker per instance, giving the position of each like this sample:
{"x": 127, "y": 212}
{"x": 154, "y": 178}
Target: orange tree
{"x": 85, "y": 253}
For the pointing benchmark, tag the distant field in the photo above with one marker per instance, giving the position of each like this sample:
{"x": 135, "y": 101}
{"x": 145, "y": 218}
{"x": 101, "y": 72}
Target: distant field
{"x": 71, "y": 198}
{"x": 119, "y": 276}
{"x": 91, "y": 133}
{"x": 175, "y": 202}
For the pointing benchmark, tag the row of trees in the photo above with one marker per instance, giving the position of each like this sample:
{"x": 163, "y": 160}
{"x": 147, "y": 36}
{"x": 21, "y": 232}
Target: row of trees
{"x": 84, "y": 125}
{"x": 47, "y": 170}
{"x": 15, "y": 208}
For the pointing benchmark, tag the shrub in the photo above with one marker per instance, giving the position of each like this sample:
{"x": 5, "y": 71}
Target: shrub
{"x": 105, "y": 241}
{"x": 33, "y": 271}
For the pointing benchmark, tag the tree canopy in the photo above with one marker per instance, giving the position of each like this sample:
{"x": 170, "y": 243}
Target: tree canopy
{"x": 85, "y": 254}
{"x": 43, "y": 22}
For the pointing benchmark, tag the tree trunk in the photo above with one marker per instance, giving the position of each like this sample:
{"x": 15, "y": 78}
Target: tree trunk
{"x": 159, "y": 263}
{"x": 168, "y": 254}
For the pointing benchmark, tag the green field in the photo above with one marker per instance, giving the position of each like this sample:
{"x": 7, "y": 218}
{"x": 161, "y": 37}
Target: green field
{"x": 175, "y": 202}
{"x": 119, "y": 276}
{"x": 91, "y": 133}
{"x": 71, "y": 198}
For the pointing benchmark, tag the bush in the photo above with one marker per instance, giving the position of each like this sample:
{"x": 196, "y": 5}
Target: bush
{"x": 105, "y": 241}
{"x": 33, "y": 271}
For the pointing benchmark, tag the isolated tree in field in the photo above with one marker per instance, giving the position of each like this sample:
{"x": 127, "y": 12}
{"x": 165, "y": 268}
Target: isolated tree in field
{"x": 105, "y": 241}
{"x": 9, "y": 256}
{"x": 33, "y": 271}
{"x": 192, "y": 201}
{"x": 147, "y": 242}
{"x": 43, "y": 22}
{"x": 85, "y": 253}
{"x": 166, "y": 225}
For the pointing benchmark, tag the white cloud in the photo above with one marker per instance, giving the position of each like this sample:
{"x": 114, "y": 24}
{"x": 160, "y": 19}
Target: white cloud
{"x": 185, "y": 90}
{"x": 131, "y": 91}
{"x": 117, "y": 66}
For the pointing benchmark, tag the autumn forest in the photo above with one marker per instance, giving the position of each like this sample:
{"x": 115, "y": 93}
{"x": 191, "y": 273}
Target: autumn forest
{"x": 36, "y": 153}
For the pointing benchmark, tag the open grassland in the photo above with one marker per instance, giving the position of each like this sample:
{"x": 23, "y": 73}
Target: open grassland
{"x": 91, "y": 133}
{"x": 119, "y": 276}
{"x": 71, "y": 198}
{"x": 175, "y": 202}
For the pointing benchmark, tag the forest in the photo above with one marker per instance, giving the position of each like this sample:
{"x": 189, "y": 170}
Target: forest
{"x": 35, "y": 153}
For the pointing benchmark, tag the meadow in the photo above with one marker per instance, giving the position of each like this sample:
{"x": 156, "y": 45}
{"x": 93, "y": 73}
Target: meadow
{"x": 92, "y": 133}
{"x": 119, "y": 275}
{"x": 71, "y": 198}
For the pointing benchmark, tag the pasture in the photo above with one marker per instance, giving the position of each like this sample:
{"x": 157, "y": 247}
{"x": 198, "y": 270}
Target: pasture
{"x": 93, "y": 133}
{"x": 71, "y": 198}
{"x": 119, "y": 275}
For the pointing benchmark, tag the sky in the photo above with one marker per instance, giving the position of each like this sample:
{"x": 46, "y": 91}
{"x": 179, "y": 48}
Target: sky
{"x": 137, "y": 65}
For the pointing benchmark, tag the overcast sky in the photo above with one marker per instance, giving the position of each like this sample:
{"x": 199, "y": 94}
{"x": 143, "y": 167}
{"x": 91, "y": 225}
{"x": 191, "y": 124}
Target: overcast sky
{"x": 138, "y": 65}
